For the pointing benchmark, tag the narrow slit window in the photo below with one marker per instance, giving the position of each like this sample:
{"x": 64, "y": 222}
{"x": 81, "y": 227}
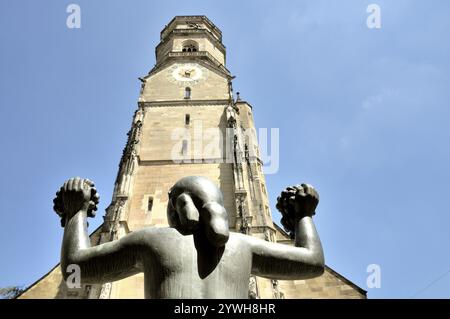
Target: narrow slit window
{"x": 150, "y": 204}
{"x": 187, "y": 93}
{"x": 187, "y": 119}
{"x": 184, "y": 147}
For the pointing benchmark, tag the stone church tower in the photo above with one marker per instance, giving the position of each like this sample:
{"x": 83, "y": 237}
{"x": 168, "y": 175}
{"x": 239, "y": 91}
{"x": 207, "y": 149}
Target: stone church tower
{"x": 189, "y": 122}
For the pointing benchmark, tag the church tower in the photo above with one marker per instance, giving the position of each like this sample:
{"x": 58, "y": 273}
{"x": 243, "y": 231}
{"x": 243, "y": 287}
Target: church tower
{"x": 189, "y": 122}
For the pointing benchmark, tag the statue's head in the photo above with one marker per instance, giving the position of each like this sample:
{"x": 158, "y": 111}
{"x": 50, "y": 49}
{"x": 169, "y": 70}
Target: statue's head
{"x": 196, "y": 205}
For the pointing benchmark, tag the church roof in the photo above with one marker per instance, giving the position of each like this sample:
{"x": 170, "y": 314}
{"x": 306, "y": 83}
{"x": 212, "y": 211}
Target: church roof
{"x": 287, "y": 240}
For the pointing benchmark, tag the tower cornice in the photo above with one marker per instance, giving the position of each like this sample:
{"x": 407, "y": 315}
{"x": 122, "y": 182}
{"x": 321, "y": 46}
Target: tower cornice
{"x": 193, "y": 19}
{"x": 202, "y": 57}
{"x": 175, "y": 103}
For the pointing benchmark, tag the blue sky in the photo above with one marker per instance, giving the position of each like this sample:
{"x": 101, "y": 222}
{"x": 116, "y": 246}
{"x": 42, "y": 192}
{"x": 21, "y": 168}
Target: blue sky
{"x": 363, "y": 115}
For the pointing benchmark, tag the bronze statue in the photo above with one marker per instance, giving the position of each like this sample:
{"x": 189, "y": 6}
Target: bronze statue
{"x": 197, "y": 256}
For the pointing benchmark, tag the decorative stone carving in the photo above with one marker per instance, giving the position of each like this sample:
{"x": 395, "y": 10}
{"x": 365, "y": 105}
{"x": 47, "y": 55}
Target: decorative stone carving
{"x": 127, "y": 168}
{"x": 231, "y": 116}
{"x": 253, "y": 288}
{"x": 106, "y": 291}
{"x": 277, "y": 293}
{"x": 129, "y": 162}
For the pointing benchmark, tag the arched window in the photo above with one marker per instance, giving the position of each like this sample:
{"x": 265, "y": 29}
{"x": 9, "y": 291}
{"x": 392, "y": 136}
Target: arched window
{"x": 187, "y": 93}
{"x": 190, "y": 46}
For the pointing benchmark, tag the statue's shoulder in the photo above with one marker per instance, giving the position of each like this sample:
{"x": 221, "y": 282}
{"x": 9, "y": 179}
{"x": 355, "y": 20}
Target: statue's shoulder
{"x": 154, "y": 235}
{"x": 247, "y": 240}
{"x": 239, "y": 238}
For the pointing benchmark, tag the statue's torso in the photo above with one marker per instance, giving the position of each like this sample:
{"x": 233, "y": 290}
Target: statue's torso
{"x": 172, "y": 271}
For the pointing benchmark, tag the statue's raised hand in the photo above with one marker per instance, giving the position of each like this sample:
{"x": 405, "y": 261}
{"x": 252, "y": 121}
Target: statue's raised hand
{"x": 296, "y": 202}
{"x": 75, "y": 195}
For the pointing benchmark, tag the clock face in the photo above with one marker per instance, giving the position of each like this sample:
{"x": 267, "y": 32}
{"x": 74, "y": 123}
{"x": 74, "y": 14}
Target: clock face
{"x": 186, "y": 73}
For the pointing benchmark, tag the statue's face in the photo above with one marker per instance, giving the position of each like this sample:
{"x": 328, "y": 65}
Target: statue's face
{"x": 182, "y": 214}
{"x": 196, "y": 205}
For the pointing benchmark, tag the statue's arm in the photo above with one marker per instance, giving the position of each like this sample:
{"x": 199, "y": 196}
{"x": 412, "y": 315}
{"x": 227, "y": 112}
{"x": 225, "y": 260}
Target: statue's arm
{"x": 305, "y": 260}
{"x": 278, "y": 261}
{"x": 110, "y": 261}
{"x": 107, "y": 262}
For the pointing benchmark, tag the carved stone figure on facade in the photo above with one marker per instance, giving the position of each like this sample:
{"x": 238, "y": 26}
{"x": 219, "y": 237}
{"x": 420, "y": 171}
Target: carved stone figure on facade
{"x": 231, "y": 115}
{"x": 139, "y": 115}
{"x": 268, "y": 235}
{"x": 126, "y": 172}
{"x": 252, "y": 288}
{"x": 277, "y": 293}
